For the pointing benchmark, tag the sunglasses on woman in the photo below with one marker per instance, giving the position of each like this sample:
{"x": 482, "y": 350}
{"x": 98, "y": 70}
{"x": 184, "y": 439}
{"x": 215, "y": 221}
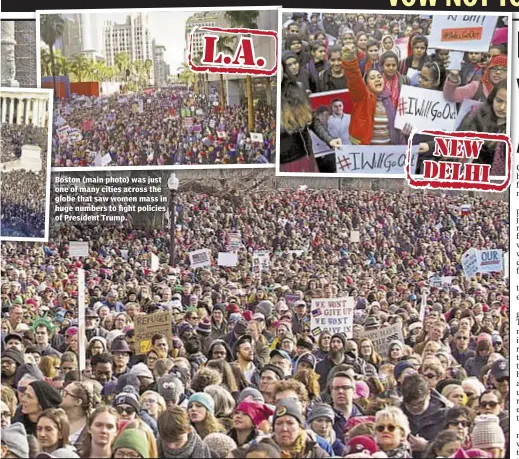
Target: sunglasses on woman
{"x": 127, "y": 409}
{"x": 490, "y": 404}
{"x": 381, "y": 428}
{"x": 458, "y": 423}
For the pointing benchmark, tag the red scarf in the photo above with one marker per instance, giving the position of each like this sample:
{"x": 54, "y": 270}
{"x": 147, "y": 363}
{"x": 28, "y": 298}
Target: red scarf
{"x": 391, "y": 86}
{"x": 497, "y": 61}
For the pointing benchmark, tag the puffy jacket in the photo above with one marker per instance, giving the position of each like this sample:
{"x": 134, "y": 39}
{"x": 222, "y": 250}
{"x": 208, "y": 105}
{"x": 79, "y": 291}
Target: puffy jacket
{"x": 429, "y": 424}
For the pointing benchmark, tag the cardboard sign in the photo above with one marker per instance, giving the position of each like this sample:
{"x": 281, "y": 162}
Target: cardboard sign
{"x": 355, "y": 236}
{"x": 81, "y": 285}
{"x": 469, "y": 262}
{"x": 78, "y": 249}
{"x": 154, "y": 262}
{"x": 227, "y": 259}
{"x": 424, "y": 108}
{"x": 87, "y": 125}
{"x": 148, "y": 325}
{"x": 462, "y": 32}
{"x": 382, "y": 337}
{"x": 200, "y": 258}
{"x": 334, "y": 315}
{"x": 490, "y": 261}
{"x": 260, "y": 262}
{"x": 377, "y": 160}
{"x": 256, "y": 137}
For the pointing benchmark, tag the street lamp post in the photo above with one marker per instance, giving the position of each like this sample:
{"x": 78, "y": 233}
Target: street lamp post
{"x": 173, "y": 183}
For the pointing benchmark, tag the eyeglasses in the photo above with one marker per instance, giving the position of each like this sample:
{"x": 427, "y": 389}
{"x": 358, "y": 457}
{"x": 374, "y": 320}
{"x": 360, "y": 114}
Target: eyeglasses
{"x": 390, "y": 428}
{"x": 470, "y": 394}
{"x": 498, "y": 69}
{"x": 127, "y": 409}
{"x": 502, "y": 380}
{"x": 342, "y": 388}
{"x": 491, "y": 405}
{"x": 430, "y": 376}
{"x": 65, "y": 392}
{"x": 127, "y": 454}
{"x": 457, "y": 423}
{"x": 150, "y": 401}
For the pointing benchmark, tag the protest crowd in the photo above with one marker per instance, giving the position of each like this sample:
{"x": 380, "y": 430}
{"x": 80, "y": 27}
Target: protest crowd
{"x": 169, "y": 126}
{"x": 419, "y": 367}
{"x": 23, "y": 198}
{"x": 380, "y": 59}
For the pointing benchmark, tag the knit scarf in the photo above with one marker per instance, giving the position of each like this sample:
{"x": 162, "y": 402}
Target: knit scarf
{"x": 384, "y": 96}
{"x": 193, "y": 448}
{"x": 497, "y": 61}
{"x": 498, "y": 163}
{"x": 391, "y": 86}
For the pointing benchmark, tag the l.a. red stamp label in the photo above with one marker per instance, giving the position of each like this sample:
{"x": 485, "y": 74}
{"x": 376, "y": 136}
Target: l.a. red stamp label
{"x": 454, "y": 164}
{"x": 244, "y": 61}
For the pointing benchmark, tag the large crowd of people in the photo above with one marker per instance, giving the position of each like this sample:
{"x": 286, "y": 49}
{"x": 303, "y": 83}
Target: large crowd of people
{"x": 170, "y": 127}
{"x": 243, "y": 376}
{"x": 374, "y": 56}
{"x": 23, "y": 192}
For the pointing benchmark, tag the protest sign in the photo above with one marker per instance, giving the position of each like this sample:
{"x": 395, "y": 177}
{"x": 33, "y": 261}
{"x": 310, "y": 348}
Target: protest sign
{"x": 199, "y": 112}
{"x": 462, "y": 32}
{"x": 60, "y": 121}
{"x": 291, "y": 298}
{"x": 326, "y": 98}
{"x": 369, "y": 159}
{"x": 469, "y": 262}
{"x": 187, "y": 122}
{"x": 440, "y": 281}
{"x": 81, "y": 302}
{"x": 413, "y": 76}
{"x": 382, "y": 337}
{"x": 297, "y": 253}
{"x": 78, "y": 249}
{"x": 260, "y": 262}
{"x": 124, "y": 253}
{"x": 334, "y": 315}
{"x": 467, "y": 106}
{"x": 200, "y": 258}
{"x": 355, "y": 236}
{"x": 403, "y": 45}
{"x": 106, "y": 159}
{"x": 154, "y": 262}
{"x": 98, "y": 161}
{"x": 455, "y": 60}
{"x": 320, "y": 147}
{"x": 506, "y": 265}
{"x": 423, "y": 306}
{"x": 227, "y": 259}
{"x": 140, "y": 105}
{"x": 196, "y": 128}
{"x": 490, "y": 261}
{"x": 221, "y": 134}
{"x": 212, "y": 124}
{"x": 234, "y": 241}
{"x": 256, "y": 137}
{"x": 466, "y": 209}
{"x": 148, "y": 325}
{"x": 423, "y": 108}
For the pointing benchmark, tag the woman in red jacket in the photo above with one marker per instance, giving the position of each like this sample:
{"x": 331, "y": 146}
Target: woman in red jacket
{"x": 373, "y": 113}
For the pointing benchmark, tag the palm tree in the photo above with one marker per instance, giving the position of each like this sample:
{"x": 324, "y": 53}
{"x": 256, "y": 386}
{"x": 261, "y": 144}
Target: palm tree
{"x": 148, "y": 65}
{"x": 122, "y": 63}
{"x": 186, "y": 75}
{"x": 225, "y": 45}
{"x": 81, "y": 67}
{"x": 246, "y": 19}
{"x": 139, "y": 71}
{"x": 51, "y": 28}
{"x": 46, "y": 63}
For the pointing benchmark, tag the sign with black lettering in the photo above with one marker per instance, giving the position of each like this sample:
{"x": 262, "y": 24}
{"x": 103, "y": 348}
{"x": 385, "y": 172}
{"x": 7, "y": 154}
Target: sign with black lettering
{"x": 334, "y": 315}
{"x": 148, "y": 325}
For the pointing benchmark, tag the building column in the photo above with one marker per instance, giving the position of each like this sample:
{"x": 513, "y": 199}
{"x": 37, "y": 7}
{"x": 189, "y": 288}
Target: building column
{"x": 11, "y": 111}
{"x": 19, "y": 113}
{"x": 35, "y": 112}
{"x": 42, "y": 113}
{"x": 8, "y": 59}
{"x": 27, "y": 110}
{"x": 4, "y": 109}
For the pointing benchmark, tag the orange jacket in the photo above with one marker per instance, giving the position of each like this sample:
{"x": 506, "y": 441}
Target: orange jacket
{"x": 364, "y": 104}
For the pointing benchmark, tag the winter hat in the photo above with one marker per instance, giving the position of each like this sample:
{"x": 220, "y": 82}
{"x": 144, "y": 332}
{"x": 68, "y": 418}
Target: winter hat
{"x": 30, "y": 369}
{"x": 275, "y": 369}
{"x": 14, "y": 354}
{"x": 288, "y": 408}
{"x": 170, "y": 387}
{"x": 341, "y": 337}
{"x": 100, "y": 339}
{"x": 447, "y": 382}
{"x": 251, "y": 393}
{"x": 309, "y": 359}
{"x": 128, "y": 397}
{"x": 204, "y": 399}
{"x": 500, "y": 369}
{"x": 321, "y": 410}
{"x": 487, "y": 433}
{"x": 362, "y": 444}
{"x": 286, "y": 55}
{"x": 15, "y": 438}
{"x": 183, "y": 328}
{"x": 219, "y": 444}
{"x": 265, "y": 307}
{"x": 400, "y": 367}
{"x": 396, "y": 342}
{"x": 240, "y": 327}
{"x": 361, "y": 390}
{"x": 258, "y": 412}
{"x": 48, "y": 396}
{"x": 204, "y": 327}
{"x": 141, "y": 369}
{"x": 133, "y": 439}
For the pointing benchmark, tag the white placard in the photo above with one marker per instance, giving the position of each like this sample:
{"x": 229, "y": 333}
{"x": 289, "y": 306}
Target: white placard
{"x": 106, "y": 159}
{"x": 466, "y": 107}
{"x": 506, "y": 265}
{"x": 382, "y": 337}
{"x": 227, "y": 259}
{"x": 425, "y": 109}
{"x": 490, "y": 261}
{"x": 334, "y": 315}
{"x": 98, "y": 160}
{"x": 256, "y": 137}
{"x": 455, "y": 60}
{"x": 423, "y": 306}
{"x": 469, "y": 261}
{"x": 199, "y": 112}
{"x": 413, "y": 76}
{"x": 376, "y": 160}
{"x": 297, "y": 253}
{"x": 212, "y": 124}
{"x": 200, "y": 258}
{"x": 81, "y": 320}
{"x": 462, "y": 32}
{"x": 260, "y": 262}
{"x": 124, "y": 253}
{"x": 154, "y": 262}
{"x": 78, "y": 249}
{"x": 355, "y": 236}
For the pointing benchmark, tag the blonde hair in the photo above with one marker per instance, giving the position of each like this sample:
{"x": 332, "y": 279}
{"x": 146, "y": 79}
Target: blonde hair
{"x": 48, "y": 365}
{"x": 396, "y": 416}
{"x": 224, "y": 402}
{"x": 160, "y": 400}
{"x": 139, "y": 424}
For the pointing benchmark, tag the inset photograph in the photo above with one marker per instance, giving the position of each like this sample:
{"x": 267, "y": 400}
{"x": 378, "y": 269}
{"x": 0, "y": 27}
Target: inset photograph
{"x": 26, "y": 116}
{"x": 127, "y": 95}
{"x": 356, "y": 86}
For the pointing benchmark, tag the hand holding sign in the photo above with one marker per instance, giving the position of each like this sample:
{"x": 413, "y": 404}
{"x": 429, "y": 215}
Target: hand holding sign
{"x": 336, "y": 143}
